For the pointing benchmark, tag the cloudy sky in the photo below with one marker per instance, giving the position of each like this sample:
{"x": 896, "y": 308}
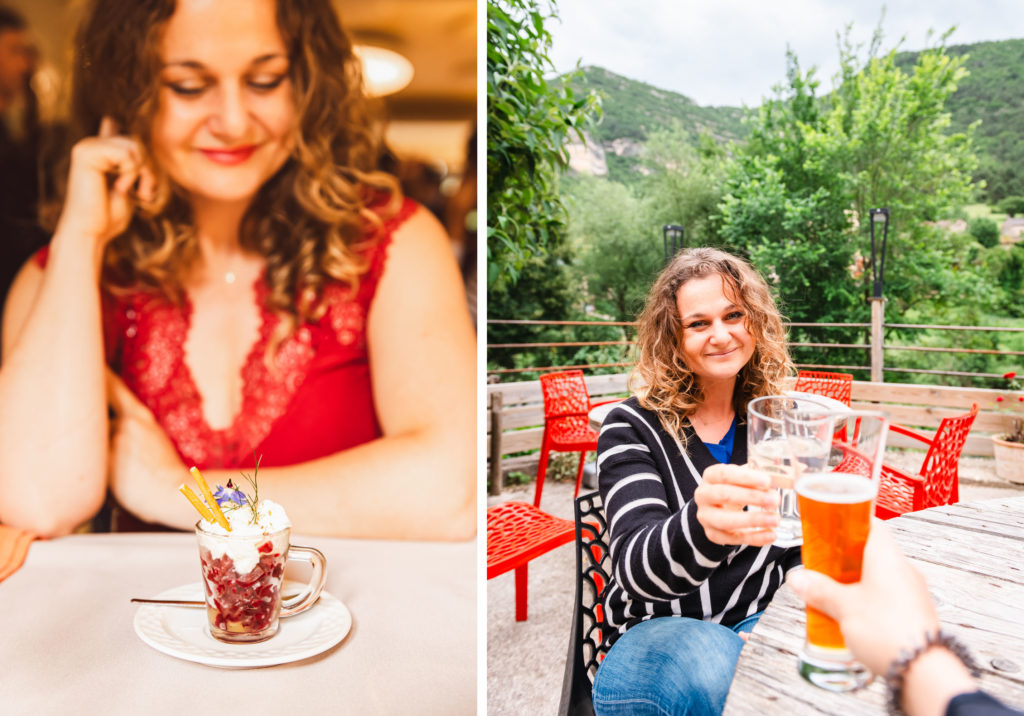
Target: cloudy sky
{"x": 731, "y": 52}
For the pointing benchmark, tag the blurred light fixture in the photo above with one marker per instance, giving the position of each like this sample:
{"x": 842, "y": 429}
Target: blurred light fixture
{"x": 672, "y": 238}
{"x": 384, "y": 71}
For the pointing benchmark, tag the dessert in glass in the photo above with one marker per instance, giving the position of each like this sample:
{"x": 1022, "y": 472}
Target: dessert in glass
{"x": 243, "y": 547}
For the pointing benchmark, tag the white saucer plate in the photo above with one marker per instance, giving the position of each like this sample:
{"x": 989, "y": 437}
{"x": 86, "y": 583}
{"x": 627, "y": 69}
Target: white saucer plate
{"x": 183, "y": 633}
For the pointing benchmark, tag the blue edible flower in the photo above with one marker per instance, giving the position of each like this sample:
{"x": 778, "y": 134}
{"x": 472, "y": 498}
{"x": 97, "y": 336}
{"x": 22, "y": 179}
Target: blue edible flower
{"x": 223, "y": 495}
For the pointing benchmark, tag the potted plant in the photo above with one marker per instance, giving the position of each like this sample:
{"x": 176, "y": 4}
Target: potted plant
{"x": 1009, "y": 446}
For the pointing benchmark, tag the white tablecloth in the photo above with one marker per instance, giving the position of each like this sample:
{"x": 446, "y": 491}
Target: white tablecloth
{"x": 67, "y": 644}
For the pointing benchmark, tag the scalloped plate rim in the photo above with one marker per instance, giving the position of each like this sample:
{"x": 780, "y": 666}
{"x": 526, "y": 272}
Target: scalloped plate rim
{"x": 160, "y": 627}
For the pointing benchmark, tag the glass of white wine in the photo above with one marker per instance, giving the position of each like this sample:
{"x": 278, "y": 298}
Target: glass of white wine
{"x": 784, "y": 455}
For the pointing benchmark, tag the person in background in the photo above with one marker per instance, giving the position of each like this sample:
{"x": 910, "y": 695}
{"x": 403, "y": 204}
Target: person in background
{"x": 235, "y": 279}
{"x": 691, "y": 568}
{"x": 889, "y": 622}
{"x": 460, "y": 219}
{"x": 20, "y": 233}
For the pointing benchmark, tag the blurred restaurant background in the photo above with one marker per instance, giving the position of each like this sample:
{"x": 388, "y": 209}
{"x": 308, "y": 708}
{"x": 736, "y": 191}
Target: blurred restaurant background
{"x": 420, "y": 60}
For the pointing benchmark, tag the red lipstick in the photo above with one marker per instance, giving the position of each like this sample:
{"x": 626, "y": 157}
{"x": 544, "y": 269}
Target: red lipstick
{"x": 229, "y": 156}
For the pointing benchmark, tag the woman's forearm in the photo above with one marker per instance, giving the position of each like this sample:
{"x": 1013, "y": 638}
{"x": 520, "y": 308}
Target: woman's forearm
{"x": 53, "y": 418}
{"x": 415, "y": 486}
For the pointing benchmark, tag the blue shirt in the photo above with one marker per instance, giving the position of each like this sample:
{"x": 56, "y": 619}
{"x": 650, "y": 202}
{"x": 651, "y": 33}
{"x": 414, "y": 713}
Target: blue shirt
{"x": 722, "y": 450}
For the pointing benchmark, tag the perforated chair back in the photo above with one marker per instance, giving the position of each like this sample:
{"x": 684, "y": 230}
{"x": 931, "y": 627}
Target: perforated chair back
{"x": 566, "y": 424}
{"x": 565, "y": 394}
{"x": 941, "y": 466}
{"x": 837, "y": 386}
{"x": 593, "y": 566}
{"x": 938, "y": 480}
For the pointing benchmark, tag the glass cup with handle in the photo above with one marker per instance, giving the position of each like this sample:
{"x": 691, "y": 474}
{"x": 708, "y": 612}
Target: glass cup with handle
{"x": 242, "y": 576}
{"x": 771, "y": 450}
{"x": 836, "y": 505}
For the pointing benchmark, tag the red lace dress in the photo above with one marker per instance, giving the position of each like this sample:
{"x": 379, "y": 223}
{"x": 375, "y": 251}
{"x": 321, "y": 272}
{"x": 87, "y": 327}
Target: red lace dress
{"x": 317, "y": 401}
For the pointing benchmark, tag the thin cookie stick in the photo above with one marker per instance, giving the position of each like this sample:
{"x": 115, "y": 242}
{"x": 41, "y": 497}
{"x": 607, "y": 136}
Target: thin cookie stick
{"x": 210, "y": 501}
{"x": 202, "y": 509}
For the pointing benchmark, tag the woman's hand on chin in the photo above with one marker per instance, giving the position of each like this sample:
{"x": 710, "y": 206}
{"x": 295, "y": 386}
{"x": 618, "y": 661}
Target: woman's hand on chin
{"x": 724, "y": 492}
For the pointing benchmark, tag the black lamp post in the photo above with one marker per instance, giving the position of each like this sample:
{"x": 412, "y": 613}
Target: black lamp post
{"x": 878, "y": 216}
{"x": 672, "y": 236}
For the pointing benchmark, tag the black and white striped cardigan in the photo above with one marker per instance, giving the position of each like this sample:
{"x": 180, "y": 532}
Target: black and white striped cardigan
{"x": 662, "y": 562}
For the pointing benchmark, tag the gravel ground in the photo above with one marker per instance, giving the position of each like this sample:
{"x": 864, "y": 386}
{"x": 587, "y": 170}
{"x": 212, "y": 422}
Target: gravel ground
{"x": 526, "y": 660}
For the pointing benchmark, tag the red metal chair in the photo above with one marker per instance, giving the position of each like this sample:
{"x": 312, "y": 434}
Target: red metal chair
{"x": 832, "y": 385}
{"x": 938, "y": 480}
{"x": 516, "y": 533}
{"x": 566, "y": 426}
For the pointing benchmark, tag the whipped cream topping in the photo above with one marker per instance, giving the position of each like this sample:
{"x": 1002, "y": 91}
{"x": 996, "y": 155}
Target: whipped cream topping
{"x": 270, "y": 518}
{"x": 245, "y": 536}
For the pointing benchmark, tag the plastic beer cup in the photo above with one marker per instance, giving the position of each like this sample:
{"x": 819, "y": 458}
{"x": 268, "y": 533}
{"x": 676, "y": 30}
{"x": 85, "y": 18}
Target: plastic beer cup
{"x": 835, "y": 511}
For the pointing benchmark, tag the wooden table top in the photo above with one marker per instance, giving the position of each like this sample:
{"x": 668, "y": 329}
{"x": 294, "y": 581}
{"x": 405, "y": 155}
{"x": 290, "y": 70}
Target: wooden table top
{"x": 972, "y": 555}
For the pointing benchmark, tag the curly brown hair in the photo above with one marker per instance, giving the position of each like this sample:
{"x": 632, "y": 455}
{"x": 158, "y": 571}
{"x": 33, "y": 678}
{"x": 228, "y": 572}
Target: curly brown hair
{"x": 310, "y": 221}
{"x": 661, "y": 379}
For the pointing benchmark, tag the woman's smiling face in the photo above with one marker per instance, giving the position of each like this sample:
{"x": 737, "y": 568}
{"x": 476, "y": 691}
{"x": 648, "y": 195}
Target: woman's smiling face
{"x": 226, "y": 113}
{"x": 715, "y": 341}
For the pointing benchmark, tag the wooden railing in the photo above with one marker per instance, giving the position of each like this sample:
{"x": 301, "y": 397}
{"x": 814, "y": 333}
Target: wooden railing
{"x": 874, "y": 365}
{"x": 516, "y": 415}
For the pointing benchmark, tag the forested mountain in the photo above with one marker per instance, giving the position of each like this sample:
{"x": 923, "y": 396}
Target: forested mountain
{"x": 993, "y": 92}
{"x": 632, "y": 109}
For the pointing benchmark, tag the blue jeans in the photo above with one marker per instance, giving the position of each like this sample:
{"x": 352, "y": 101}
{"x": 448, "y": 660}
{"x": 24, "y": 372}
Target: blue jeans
{"x": 669, "y": 665}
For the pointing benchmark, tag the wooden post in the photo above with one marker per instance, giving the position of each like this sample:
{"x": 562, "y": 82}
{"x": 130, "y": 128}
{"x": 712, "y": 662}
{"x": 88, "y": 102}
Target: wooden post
{"x": 877, "y": 338}
{"x": 495, "y": 454}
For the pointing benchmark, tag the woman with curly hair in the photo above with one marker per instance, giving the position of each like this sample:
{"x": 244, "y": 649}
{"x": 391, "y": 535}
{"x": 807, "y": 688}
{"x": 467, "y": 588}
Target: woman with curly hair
{"x": 692, "y": 569}
{"x": 234, "y": 279}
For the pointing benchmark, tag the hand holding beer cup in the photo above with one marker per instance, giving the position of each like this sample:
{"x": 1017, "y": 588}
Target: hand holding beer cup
{"x": 835, "y": 511}
{"x": 887, "y": 611}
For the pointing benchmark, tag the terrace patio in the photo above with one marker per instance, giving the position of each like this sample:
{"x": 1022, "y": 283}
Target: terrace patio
{"x": 525, "y": 660}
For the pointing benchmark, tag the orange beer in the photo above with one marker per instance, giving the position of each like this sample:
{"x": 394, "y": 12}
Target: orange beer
{"x": 835, "y": 511}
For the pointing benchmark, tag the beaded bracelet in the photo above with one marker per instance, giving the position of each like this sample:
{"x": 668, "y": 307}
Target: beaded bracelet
{"x": 898, "y": 669}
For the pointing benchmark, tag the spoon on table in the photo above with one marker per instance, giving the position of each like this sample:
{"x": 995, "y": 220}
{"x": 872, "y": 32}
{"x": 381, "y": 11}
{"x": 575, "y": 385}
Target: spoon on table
{"x": 188, "y": 602}
{"x": 169, "y": 602}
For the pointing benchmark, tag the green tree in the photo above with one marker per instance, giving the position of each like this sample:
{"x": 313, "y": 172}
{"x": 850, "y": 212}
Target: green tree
{"x": 685, "y": 183}
{"x": 616, "y": 228}
{"x": 529, "y": 121}
{"x": 886, "y": 137}
{"x": 544, "y": 290}
{"x": 798, "y": 202}
{"x": 1012, "y": 205}
{"x": 985, "y": 230}
{"x": 795, "y": 238}
{"x": 784, "y": 208}
{"x": 619, "y": 254}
